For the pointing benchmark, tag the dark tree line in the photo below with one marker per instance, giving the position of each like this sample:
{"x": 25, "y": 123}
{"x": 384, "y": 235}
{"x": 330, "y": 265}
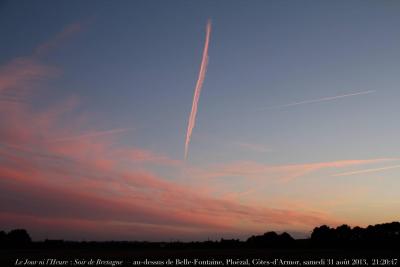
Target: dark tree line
{"x": 380, "y": 235}
{"x": 385, "y": 235}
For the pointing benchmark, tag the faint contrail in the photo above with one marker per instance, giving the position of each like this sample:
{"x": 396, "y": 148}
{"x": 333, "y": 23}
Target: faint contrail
{"x": 367, "y": 170}
{"x": 197, "y": 90}
{"x": 90, "y": 135}
{"x": 321, "y": 99}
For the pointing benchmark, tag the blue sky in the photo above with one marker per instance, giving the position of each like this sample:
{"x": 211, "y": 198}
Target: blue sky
{"x": 133, "y": 65}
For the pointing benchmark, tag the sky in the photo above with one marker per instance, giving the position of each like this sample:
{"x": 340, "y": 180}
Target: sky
{"x": 287, "y": 111}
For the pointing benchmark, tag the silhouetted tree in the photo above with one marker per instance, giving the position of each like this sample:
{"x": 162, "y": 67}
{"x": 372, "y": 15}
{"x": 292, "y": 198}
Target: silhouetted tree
{"x": 322, "y": 235}
{"x": 271, "y": 239}
{"x": 357, "y": 234}
{"x": 342, "y": 233}
{"x": 18, "y": 237}
{"x": 3, "y": 238}
{"x": 285, "y": 238}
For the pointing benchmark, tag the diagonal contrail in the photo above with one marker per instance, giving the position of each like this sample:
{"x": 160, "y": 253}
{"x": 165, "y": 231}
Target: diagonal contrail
{"x": 321, "y": 99}
{"x": 367, "y": 170}
{"x": 197, "y": 90}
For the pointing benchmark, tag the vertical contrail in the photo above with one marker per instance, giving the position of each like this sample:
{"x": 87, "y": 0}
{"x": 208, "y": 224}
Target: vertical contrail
{"x": 197, "y": 90}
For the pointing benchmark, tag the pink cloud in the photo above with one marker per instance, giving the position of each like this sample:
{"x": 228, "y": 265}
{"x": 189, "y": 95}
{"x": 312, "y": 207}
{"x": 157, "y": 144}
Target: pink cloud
{"x": 83, "y": 179}
{"x": 135, "y": 198}
{"x": 142, "y": 155}
{"x": 20, "y": 74}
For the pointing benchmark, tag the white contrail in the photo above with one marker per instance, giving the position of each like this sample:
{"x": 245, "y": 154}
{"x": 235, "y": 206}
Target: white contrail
{"x": 367, "y": 170}
{"x": 321, "y": 99}
{"x": 197, "y": 90}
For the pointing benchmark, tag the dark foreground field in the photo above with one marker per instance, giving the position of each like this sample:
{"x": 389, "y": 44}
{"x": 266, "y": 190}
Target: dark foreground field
{"x": 377, "y": 245}
{"x": 198, "y": 257}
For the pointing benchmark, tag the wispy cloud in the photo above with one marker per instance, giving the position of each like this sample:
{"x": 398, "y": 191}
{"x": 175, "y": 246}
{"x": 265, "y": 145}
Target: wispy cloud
{"x": 255, "y": 170}
{"x": 58, "y": 39}
{"x": 20, "y": 74}
{"x": 253, "y": 147}
{"x": 320, "y": 99}
{"x": 367, "y": 170}
{"x": 91, "y": 135}
{"x": 197, "y": 90}
{"x": 86, "y": 180}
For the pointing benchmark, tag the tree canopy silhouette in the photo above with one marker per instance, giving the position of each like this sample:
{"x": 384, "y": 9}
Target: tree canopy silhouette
{"x": 15, "y": 238}
{"x": 387, "y": 234}
{"x": 271, "y": 239}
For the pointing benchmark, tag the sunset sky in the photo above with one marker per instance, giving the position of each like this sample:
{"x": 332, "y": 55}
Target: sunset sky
{"x": 295, "y": 122}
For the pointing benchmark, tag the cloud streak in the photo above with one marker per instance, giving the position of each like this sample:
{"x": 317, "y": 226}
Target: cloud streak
{"x": 197, "y": 91}
{"x": 321, "y": 99}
